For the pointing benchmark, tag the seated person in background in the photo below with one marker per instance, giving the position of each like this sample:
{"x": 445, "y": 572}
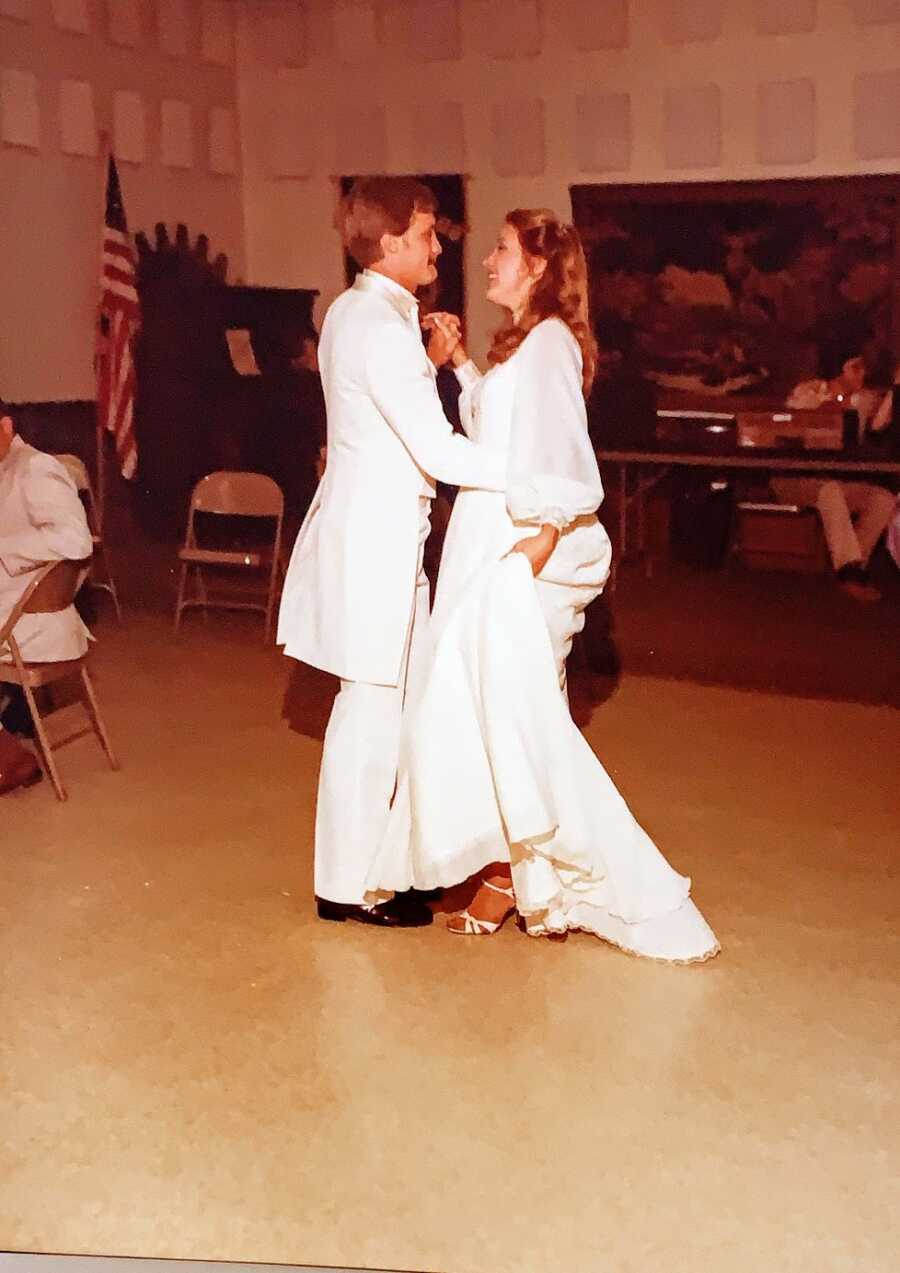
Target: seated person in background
{"x": 850, "y": 543}
{"x": 41, "y": 519}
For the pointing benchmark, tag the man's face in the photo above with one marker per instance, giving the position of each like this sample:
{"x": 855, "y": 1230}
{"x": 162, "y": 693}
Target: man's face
{"x": 7, "y": 433}
{"x": 854, "y": 374}
{"x": 413, "y": 255}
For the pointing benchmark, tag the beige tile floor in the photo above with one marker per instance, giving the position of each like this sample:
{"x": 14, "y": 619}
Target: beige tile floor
{"x": 195, "y": 1067}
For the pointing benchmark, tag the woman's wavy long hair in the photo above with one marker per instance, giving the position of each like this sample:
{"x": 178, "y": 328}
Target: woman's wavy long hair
{"x": 560, "y": 292}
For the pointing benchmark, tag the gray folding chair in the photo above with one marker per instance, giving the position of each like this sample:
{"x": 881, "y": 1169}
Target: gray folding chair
{"x": 232, "y": 494}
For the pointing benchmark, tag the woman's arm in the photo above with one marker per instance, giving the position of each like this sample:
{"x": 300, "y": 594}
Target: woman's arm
{"x": 468, "y": 376}
{"x": 538, "y": 548}
{"x": 445, "y": 346}
{"x": 553, "y": 473}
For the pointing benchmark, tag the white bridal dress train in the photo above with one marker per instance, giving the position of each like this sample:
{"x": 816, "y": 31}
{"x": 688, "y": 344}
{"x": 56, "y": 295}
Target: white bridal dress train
{"x": 493, "y": 768}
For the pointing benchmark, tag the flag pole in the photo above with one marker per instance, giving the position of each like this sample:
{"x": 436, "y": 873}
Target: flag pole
{"x": 101, "y": 351}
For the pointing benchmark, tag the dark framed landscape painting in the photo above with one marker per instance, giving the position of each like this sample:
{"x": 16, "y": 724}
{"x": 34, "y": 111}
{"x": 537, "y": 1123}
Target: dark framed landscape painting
{"x": 737, "y": 287}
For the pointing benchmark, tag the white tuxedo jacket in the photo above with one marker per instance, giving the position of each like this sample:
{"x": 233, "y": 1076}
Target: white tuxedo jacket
{"x": 41, "y": 519}
{"x": 350, "y": 589}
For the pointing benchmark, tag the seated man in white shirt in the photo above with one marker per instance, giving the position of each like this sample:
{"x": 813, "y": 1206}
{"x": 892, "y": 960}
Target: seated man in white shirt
{"x": 850, "y": 542}
{"x": 41, "y": 519}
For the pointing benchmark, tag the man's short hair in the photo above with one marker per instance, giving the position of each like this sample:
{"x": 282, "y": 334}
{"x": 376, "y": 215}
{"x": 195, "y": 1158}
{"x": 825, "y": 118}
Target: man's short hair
{"x": 375, "y": 206}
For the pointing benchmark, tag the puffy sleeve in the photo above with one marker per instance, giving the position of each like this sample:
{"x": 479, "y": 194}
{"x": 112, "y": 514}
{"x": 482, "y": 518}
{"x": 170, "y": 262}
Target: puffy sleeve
{"x": 553, "y": 475}
{"x": 469, "y": 377}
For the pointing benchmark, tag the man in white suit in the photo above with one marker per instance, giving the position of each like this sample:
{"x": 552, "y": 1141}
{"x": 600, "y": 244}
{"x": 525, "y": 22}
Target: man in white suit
{"x": 41, "y": 519}
{"x": 356, "y": 600}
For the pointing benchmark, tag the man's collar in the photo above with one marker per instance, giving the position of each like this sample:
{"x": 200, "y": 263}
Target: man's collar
{"x": 402, "y": 300}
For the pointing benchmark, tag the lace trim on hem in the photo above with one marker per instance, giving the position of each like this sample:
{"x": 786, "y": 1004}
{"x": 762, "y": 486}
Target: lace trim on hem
{"x": 627, "y": 950}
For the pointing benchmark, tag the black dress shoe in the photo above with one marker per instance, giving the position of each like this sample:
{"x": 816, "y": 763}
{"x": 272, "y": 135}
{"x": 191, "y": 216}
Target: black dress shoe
{"x": 15, "y": 717}
{"x": 397, "y": 913}
{"x": 424, "y": 894}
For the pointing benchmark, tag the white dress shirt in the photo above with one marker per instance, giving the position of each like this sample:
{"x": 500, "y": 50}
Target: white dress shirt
{"x": 41, "y": 519}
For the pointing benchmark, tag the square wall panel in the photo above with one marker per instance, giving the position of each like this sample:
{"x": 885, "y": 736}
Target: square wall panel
{"x": 601, "y": 25}
{"x": 20, "y": 9}
{"x": 518, "y": 144}
{"x": 129, "y": 127}
{"x": 876, "y": 115}
{"x": 685, "y": 21}
{"x": 514, "y": 28}
{"x": 361, "y": 138}
{"x": 355, "y": 31}
{"x": 289, "y": 140}
{"x": 869, "y": 12}
{"x": 693, "y": 126}
{"x": 786, "y": 122}
{"x": 433, "y": 34}
{"x": 77, "y": 121}
{"x": 603, "y": 132}
{"x": 785, "y": 17}
{"x": 124, "y": 21}
{"x": 72, "y": 15}
{"x": 439, "y": 138}
{"x": 217, "y": 32}
{"x": 223, "y": 141}
{"x": 177, "y": 135}
{"x": 20, "y": 114}
{"x": 278, "y": 34}
{"x": 172, "y": 24}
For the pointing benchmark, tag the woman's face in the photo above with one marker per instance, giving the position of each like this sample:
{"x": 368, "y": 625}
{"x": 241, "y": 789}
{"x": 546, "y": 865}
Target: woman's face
{"x": 509, "y": 278}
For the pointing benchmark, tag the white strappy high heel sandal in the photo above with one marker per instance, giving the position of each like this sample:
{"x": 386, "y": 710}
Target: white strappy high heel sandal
{"x": 464, "y": 924}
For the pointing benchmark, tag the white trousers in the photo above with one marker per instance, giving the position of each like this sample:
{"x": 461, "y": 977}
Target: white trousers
{"x": 360, "y": 759}
{"x": 836, "y": 503}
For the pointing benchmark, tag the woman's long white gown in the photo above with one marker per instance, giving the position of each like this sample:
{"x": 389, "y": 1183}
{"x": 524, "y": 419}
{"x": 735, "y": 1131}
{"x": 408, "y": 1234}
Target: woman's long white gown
{"x": 493, "y": 768}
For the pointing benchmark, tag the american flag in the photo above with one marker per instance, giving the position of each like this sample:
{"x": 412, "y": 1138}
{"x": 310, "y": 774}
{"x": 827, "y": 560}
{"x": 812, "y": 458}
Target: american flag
{"x": 117, "y": 322}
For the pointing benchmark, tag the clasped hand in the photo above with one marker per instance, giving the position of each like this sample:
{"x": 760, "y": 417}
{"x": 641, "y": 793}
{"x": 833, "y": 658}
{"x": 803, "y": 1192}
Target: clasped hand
{"x": 444, "y": 339}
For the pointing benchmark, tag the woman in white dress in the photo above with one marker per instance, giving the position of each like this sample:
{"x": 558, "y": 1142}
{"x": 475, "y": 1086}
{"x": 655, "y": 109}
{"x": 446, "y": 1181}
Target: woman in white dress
{"x": 495, "y": 778}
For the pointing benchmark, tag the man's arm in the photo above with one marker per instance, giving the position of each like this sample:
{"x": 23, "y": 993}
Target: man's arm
{"x": 405, "y": 394}
{"x": 882, "y": 417}
{"x": 809, "y": 395}
{"x": 57, "y": 528}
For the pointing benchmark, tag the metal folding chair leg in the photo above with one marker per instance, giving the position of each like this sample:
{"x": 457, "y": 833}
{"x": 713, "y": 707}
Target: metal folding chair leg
{"x": 96, "y": 719}
{"x": 202, "y": 594}
{"x": 108, "y": 584}
{"x": 43, "y": 742}
{"x": 179, "y": 604}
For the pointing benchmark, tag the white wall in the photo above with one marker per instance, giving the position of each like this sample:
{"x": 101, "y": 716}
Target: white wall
{"x": 523, "y": 96}
{"x": 530, "y": 96}
{"x": 52, "y": 201}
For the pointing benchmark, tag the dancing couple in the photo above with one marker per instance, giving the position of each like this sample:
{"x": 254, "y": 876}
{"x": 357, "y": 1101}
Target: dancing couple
{"x": 450, "y": 751}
